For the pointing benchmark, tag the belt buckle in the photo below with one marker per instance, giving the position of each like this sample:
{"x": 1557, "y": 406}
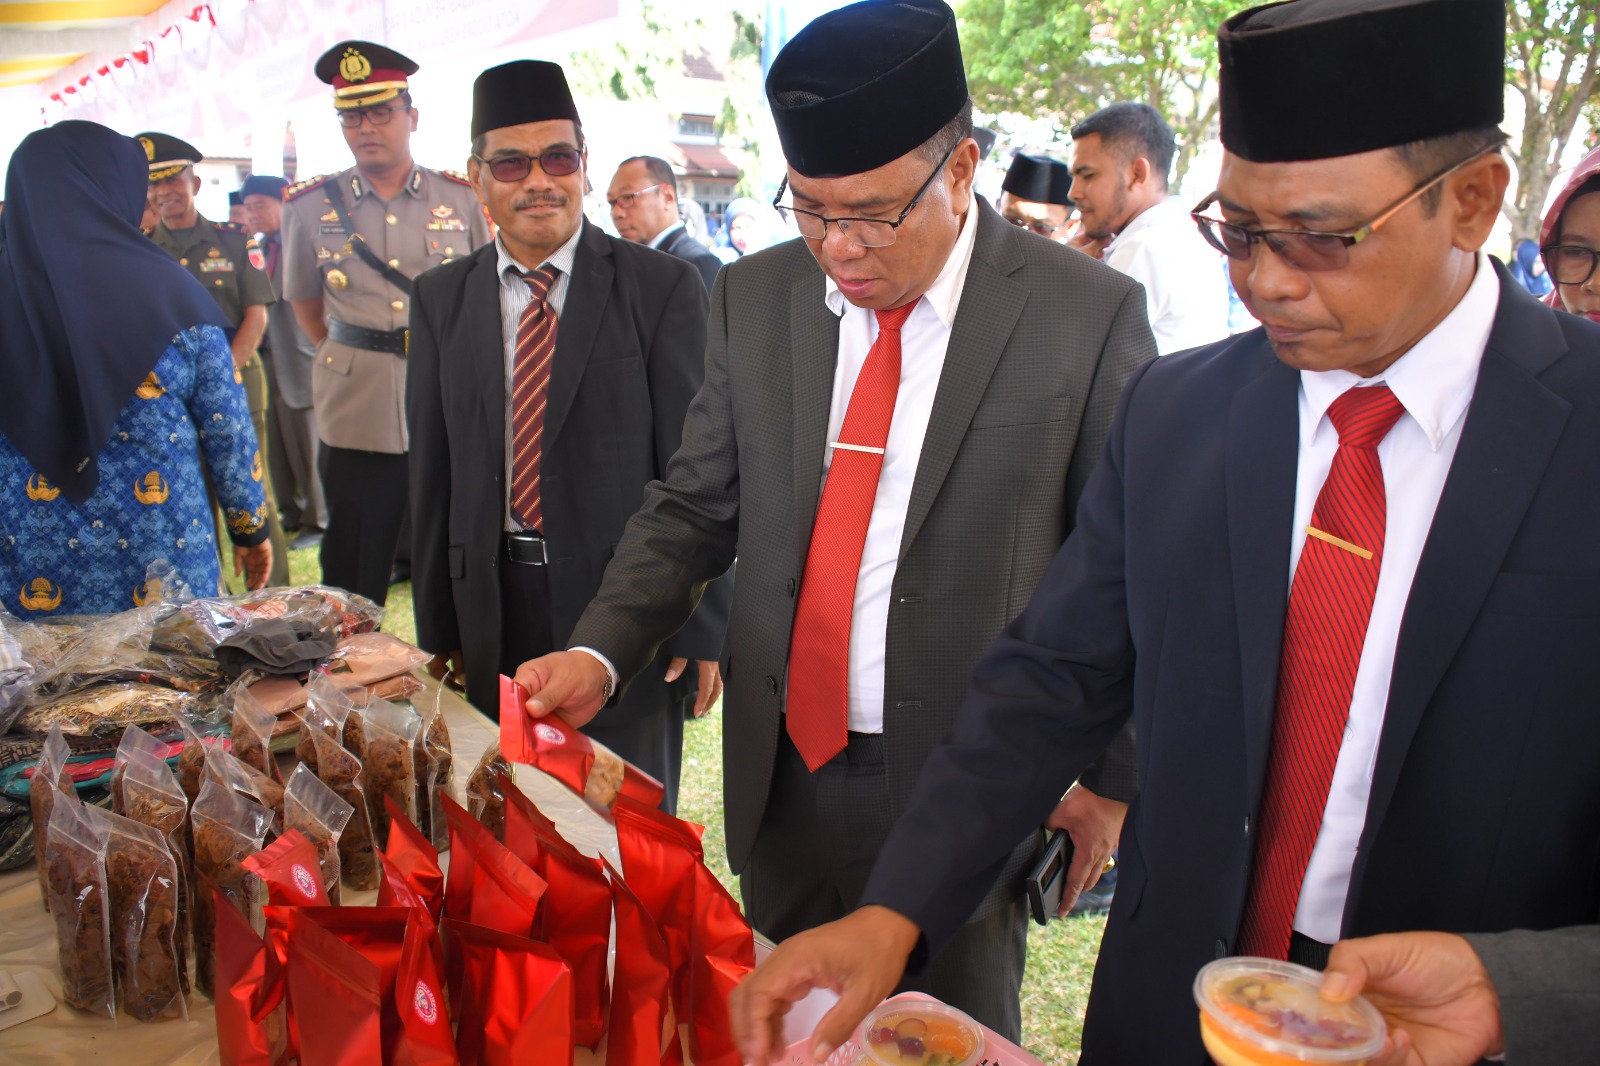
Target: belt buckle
{"x": 525, "y": 541}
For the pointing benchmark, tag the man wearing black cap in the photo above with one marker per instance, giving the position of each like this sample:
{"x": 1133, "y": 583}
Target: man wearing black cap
{"x": 550, "y": 374}
{"x": 236, "y": 211}
{"x": 900, "y": 410}
{"x": 1121, "y": 156}
{"x": 1339, "y": 571}
{"x": 1034, "y": 194}
{"x": 352, "y": 243}
{"x": 220, "y": 256}
{"x": 289, "y": 354}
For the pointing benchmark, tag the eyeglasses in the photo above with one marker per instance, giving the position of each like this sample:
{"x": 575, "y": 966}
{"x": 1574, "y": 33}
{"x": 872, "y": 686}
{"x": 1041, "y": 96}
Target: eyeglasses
{"x": 378, "y": 116}
{"x": 1569, "y": 264}
{"x": 867, "y": 232}
{"x": 628, "y": 199}
{"x": 1042, "y": 226}
{"x": 1310, "y": 250}
{"x": 556, "y": 162}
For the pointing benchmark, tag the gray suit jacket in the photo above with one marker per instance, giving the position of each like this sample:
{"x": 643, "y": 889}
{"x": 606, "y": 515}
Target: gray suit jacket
{"x": 287, "y": 351}
{"x": 1549, "y": 989}
{"x": 1042, "y": 342}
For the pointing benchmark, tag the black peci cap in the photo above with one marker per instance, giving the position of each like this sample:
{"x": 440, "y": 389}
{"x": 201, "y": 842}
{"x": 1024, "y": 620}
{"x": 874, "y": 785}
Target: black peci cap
{"x": 263, "y": 185}
{"x": 363, "y": 74}
{"x": 1316, "y": 79}
{"x": 1038, "y": 178}
{"x": 861, "y": 86}
{"x": 167, "y": 155}
{"x": 527, "y": 90}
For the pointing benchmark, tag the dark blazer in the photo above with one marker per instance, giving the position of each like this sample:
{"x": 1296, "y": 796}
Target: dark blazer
{"x": 1168, "y": 604}
{"x": 1043, "y": 339}
{"x": 628, "y": 360}
{"x": 693, "y": 252}
{"x": 1548, "y": 984}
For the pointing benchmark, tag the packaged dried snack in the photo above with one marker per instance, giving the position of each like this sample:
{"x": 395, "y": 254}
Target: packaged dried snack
{"x": 151, "y": 796}
{"x": 75, "y": 859}
{"x": 318, "y": 813}
{"x": 416, "y": 860}
{"x": 192, "y": 759}
{"x": 337, "y": 998}
{"x": 484, "y": 794}
{"x": 342, "y": 772}
{"x": 253, "y": 726}
{"x": 289, "y": 869}
{"x": 503, "y": 893}
{"x": 587, "y": 767}
{"x": 133, "y": 739}
{"x": 434, "y": 760}
{"x": 101, "y": 713}
{"x": 721, "y": 954}
{"x": 251, "y": 1022}
{"x": 659, "y": 855}
{"x": 142, "y": 882}
{"x": 425, "y": 1037}
{"x": 516, "y": 1004}
{"x": 247, "y": 781}
{"x": 49, "y": 780}
{"x": 389, "y": 733}
{"x": 329, "y": 705}
{"x": 344, "y": 612}
{"x": 228, "y": 828}
{"x": 640, "y": 1026}
{"x": 368, "y": 658}
{"x": 575, "y": 913}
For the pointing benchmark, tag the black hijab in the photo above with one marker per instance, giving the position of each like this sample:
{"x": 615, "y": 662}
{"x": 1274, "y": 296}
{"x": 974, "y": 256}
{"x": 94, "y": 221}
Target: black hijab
{"x": 87, "y": 302}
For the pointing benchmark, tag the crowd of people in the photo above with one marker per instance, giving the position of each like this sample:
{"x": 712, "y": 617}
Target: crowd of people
{"x": 1290, "y": 629}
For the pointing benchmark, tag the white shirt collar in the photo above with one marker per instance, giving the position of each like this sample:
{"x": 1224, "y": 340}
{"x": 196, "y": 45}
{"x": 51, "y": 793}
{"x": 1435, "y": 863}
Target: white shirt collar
{"x": 1155, "y": 215}
{"x": 944, "y": 295}
{"x": 1435, "y": 379}
{"x": 562, "y": 258}
{"x": 659, "y": 239}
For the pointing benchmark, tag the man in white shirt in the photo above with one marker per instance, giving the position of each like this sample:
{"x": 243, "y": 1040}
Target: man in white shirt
{"x": 898, "y": 411}
{"x": 644, "y": 208}
{"x": 1121, "y": 156}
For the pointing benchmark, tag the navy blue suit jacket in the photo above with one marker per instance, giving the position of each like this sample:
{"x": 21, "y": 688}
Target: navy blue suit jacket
{"x": 1167, "y": 604}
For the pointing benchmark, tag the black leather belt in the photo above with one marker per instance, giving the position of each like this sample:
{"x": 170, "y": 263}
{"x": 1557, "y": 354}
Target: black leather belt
{"x": 527, "y": 548}
{"x": 373, "y": 340}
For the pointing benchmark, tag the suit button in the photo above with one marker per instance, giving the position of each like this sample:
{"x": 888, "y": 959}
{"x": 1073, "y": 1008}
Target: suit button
{"x": 1222, "y": 949}
{"x": 1247, "y": 825}
{"x": 391, "y": 219}
{"x": 791, "y": 586}
{"x": 772, "y": 686}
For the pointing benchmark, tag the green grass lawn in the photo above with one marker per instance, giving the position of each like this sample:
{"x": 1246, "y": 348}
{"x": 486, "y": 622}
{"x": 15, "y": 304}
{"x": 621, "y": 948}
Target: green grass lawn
{"x": 1060, "y": 957}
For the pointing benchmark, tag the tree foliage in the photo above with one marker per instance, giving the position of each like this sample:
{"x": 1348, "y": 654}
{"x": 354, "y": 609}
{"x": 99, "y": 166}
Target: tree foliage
{"x": 1552, "y": 66}
{"x": 1068, "y": 60}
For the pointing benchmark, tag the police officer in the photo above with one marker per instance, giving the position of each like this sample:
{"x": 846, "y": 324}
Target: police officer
{"x": 218, "y": 254}
{"x": 352, "y": 242}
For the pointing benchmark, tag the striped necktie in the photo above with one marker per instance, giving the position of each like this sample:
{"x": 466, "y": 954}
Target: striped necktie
{"x": 530, "y": 388}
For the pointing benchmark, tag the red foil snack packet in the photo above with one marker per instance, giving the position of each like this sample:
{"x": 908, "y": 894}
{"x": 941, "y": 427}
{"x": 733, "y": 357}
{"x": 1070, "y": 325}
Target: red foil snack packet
{"x": 250, "y": 1008}
{"x": 487, "y": 884}
{"x": 396, "y": 890}
{"x": 516, "y": 1006}
{"x": 659, "y": 854}
{"x": 722, "y": 952}
{"x": 337, "y": 997}
{"x": 641, "y": 1032}
{"x": 575, "y": 914}
{"x": 412, "y": 855}
{"x": 590, "y": 769}
{"x": 424, "y": 1038}
{"x": 291, "y": 872}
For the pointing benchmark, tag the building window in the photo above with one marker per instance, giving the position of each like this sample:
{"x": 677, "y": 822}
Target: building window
{"x": 697, "y": 126}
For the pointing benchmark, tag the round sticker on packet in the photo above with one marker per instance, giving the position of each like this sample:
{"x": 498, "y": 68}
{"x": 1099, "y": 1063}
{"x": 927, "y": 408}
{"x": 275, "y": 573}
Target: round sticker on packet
{"x": 425, "y": 1004}
{"x": 304, "y": 881}
{"x": 549, "y": 734}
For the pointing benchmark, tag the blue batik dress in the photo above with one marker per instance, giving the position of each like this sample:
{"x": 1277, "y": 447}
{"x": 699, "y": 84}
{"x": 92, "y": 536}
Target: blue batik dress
{"x": 59, "y": 558}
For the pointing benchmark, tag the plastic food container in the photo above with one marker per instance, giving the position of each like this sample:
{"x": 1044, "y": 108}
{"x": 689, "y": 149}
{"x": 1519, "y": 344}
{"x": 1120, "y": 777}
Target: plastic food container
{"x": 919, "y": 1033}
{"x": 1262, "y": 1012}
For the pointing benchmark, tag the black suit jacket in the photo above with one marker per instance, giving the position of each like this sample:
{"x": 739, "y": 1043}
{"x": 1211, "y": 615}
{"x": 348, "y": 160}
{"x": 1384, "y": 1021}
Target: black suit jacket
{"x": 628, "y": 359}
{"x": 693, "y": 252}
{"x": 1167, "y": 604}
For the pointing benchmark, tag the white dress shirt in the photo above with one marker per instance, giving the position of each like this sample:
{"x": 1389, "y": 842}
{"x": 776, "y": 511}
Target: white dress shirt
{"x": 1435, "y": 381}
{"x": 1182, "y": 276}
{"x": 514, "y": 297}
{"x": 923, "y": 341}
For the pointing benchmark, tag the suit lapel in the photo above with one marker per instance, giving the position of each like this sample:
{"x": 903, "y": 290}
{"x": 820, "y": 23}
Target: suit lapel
{"x": 1263, "y": 446}
{"x": 814, "y": 339}
{"x": 588, "y": 295}
{"x": 487, "y": 356}
{"x": 991, "y": 303}
{"x": 1512, "y": 427}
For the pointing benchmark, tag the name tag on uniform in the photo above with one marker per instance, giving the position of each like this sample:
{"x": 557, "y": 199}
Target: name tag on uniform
{"x": 325, "y": 228}
{"x": 216, "y": 266}
{"x": 447, "y": 224}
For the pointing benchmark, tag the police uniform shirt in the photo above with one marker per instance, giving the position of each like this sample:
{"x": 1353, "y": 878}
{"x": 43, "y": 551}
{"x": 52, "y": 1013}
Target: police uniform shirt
{"x": 218, "y": 255}
{"x": 359, "y": 394}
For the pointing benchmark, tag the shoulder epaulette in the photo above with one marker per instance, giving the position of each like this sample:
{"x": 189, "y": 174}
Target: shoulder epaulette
{"x": 455, "y": 176}
{"x": 229, "y": 227}
{"x": 304, "y": 187}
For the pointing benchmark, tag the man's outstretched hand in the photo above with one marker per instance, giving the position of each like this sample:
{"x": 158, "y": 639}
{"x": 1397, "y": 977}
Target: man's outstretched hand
{"x": 569, "y": 683}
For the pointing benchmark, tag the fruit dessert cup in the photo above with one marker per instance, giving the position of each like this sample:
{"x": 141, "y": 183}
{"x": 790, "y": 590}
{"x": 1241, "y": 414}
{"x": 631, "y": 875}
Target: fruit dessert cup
{"x": 919, "y": 1033}
{"x": 1262, "y": 1012}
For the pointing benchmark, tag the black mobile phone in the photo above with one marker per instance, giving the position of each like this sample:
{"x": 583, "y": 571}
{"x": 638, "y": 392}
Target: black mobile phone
{"x": 1048, "y": 877}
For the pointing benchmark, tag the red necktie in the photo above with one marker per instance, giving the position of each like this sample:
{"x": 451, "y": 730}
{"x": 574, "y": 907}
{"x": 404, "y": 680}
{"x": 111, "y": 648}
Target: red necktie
{"x": 530, "y": 387}
{"x": 819, "y": 651}
{"x": 1329, "y": 607}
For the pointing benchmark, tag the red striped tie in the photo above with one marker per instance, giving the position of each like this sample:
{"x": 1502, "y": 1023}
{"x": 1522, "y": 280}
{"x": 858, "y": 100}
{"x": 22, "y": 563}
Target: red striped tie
{"x": 819, "y": 651}
{"x": 530, "y": 387}
{"x": 1329, "y": 607}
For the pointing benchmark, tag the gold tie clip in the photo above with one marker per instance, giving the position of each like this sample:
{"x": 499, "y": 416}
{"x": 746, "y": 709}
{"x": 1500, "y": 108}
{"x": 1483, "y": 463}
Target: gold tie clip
{"x": 1338, "y": 542}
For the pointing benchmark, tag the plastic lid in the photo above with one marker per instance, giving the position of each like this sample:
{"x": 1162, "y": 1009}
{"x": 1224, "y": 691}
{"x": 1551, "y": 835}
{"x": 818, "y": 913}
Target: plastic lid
{"x": 919, "y": 1032}
{"x": 1255, "y": 1012}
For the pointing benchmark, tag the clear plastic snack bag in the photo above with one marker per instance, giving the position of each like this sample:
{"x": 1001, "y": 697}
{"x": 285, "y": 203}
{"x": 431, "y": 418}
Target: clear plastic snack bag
{"x": 388, "y": 767}
{"x": 228, "y": 828}
{"x": 142, "y": 879}
{"x": 317, "y": 812}
{"x": 75, "y": 858}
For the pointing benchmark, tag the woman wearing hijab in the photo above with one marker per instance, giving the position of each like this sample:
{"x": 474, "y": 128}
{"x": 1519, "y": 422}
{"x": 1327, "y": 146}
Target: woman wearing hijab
{"x": 1527, "y": 268}
{"x": 743, "y": 222}
{"x": 117, "y": 384}
{"x": 1569, "y": 241}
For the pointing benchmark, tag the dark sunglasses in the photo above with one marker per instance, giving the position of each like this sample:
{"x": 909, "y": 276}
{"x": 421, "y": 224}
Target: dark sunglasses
{"x": 556, "y": 162}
